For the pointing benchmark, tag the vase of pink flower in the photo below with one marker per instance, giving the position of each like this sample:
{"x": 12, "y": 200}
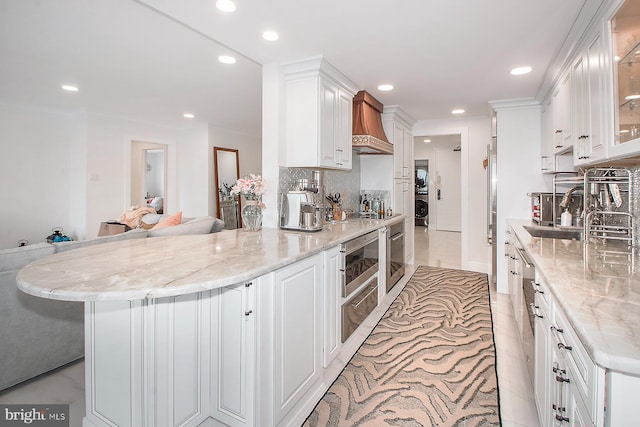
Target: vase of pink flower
{"x": 251, "y": 189}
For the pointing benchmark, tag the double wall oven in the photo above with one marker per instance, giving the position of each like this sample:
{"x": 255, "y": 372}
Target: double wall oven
{"x": 359, "y": 270}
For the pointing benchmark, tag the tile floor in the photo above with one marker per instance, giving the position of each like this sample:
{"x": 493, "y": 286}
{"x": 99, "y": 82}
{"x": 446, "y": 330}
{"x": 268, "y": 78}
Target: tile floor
{"x": 441, "y": 249}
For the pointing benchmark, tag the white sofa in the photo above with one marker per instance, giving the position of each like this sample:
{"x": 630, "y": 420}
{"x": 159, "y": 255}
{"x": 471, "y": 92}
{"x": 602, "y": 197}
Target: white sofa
{"x": 37, "y": 334}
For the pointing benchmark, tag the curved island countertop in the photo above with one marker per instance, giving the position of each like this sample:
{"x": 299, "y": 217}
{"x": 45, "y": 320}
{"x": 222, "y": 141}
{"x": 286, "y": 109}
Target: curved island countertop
{"x": 159, "y": 267}
{"x": 598, "y": 290}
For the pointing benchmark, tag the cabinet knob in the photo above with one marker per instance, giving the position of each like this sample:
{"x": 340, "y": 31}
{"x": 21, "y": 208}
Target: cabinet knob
{"x": 248, "y": 312}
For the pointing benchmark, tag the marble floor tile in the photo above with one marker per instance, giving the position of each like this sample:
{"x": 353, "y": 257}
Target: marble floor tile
{"x": 435, "y": 248}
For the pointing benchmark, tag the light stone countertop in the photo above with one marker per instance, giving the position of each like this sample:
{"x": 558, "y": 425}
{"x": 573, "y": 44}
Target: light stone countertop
{"x": 158, "y": 267}
{"x": 598, "y": 291}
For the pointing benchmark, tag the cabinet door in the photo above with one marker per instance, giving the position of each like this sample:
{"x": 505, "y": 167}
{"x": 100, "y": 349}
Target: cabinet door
{"x": 407, "y": 155}
{"x": 547, "y": 163}
{"x": 589, "y": 104}
{"x": 398, "y": 150}
{"x": 233, "y": 354}
{"x": 580, "y": 117}
{"x": 298, "y": 334}
{"x": 331, "y": 304}
{"x": 327, "y": 148}
{"x": 542, "y": 367}
{"x": 597, "y": 107}
{"x": 344, "y": 131}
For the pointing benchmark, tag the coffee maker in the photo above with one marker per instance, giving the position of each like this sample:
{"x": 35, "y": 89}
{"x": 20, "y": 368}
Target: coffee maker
{"x": 301, "y": 207}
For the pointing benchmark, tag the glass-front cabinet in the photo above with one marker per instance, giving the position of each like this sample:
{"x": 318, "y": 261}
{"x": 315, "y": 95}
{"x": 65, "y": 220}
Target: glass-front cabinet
{"x": 625, "y": 39}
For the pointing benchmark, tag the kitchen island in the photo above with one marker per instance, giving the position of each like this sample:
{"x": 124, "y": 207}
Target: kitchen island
{"x": 229, "y": 328}
{"x": 592, "y": 318}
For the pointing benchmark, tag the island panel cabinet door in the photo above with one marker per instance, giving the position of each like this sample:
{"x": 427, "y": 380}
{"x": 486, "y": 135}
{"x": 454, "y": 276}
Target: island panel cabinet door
{"x": 233, "y": 333}
{"x": 298, "y": 333}
{"x": 147, "y": 362}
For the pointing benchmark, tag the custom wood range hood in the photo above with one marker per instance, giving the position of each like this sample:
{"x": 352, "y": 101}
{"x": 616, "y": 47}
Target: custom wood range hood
{"x": 368, "y": 133}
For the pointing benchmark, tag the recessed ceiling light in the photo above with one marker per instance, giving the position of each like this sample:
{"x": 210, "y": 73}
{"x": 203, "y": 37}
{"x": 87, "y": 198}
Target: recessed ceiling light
{"x": 520, "y": 71}
{"x": 457, "y": 111}
{"x": 226, "y": 59}
{"x": 270, "y": 36}
{"x": 70, "y": 88}
{"x": 226, "y": 5}
{"x": 188, "y": 115}
{"x": 385, "y": 87}
{"x": 427, "y": 140}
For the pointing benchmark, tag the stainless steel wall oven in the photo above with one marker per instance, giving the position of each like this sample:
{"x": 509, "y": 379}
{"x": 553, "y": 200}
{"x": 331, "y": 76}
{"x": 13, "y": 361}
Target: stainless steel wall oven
{"x": 359, "y": 280}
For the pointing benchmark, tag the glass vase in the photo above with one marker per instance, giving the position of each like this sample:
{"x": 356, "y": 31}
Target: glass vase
{"x": 251, "y": 216}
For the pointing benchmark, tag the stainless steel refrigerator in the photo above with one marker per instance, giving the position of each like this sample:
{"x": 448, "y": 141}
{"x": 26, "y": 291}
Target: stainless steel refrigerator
{"x": 492, "y": 181}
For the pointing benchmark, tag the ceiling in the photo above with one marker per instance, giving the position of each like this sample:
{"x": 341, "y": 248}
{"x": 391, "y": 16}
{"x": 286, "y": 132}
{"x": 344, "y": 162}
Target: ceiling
{"x": 153, "y": 60}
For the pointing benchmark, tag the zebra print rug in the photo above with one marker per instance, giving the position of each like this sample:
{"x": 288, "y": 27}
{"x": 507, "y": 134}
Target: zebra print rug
{"x": 430, "y": 361}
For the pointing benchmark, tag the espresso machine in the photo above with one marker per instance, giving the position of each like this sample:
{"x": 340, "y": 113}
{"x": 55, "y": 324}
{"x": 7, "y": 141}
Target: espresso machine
{"x": 301, "y": 206}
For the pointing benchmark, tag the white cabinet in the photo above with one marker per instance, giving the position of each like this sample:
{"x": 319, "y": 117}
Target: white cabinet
{"x": 568, "y": 386}
{"x": 398, "y": 126}
{"x": 332, "y": 304}
{"x": 589, "y": 106}
{"x": 561, "y": 115}
{"x": 298, "y": 333}
{"x": 233, "y": 354}
{"x": 319, "y": 104}
{"x": 547, "y": 155}
{"x": 147, "y": 362}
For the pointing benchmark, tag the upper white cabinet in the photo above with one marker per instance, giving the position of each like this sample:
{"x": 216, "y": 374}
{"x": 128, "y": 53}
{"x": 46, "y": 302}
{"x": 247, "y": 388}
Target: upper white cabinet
{"x": 398, "y": 126}
{"x": 589, "y": 105}
{"x": 561, "y": 115}
{"x": 547, "y": 155}
{"x": 624, "y": 28}
{"x": 319, "y": 105}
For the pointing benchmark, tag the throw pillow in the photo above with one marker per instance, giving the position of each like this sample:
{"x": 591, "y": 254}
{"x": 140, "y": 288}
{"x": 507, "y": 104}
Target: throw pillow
{"x": 174, "y": 219}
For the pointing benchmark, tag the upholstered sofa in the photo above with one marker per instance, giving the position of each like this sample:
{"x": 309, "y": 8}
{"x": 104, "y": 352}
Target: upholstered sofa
{"x": 37, "y": 334}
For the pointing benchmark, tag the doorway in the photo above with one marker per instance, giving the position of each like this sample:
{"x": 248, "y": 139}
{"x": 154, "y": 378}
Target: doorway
{"x": 441, "y": 241}
{"x": 149, "y": 174}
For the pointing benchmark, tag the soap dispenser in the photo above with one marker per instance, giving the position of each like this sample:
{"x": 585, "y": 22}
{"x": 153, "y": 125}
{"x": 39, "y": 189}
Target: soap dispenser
{"x": 565, "y": 218}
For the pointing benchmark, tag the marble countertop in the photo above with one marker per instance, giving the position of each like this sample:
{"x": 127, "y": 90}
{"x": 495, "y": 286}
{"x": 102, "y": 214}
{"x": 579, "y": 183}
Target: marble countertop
{"x": 158, "y": 267}
{"x": 598, "y": 288}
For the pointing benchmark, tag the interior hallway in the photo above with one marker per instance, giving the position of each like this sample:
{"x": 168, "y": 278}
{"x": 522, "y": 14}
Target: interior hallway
{"x": 435, "y": 248}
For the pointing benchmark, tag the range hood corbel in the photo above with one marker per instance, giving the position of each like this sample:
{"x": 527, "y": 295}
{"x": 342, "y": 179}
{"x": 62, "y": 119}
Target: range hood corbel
{"x": 368, "y": 132}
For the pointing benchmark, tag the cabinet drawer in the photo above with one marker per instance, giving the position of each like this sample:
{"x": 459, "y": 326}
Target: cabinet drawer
{"x": 584, "y": 375}
{"x": 358, "y": 308}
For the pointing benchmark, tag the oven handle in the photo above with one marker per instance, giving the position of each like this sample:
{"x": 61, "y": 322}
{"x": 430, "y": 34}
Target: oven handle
{"x": 375, "y": 288}
{"x": 397, "y": 236}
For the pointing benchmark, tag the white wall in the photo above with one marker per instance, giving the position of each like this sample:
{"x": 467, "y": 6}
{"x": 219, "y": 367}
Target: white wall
{"x": 476, "y": 134}
{"x": 37, "y": 162}
{"x": 108, "y": 163}
{"x": 73, "y": 170}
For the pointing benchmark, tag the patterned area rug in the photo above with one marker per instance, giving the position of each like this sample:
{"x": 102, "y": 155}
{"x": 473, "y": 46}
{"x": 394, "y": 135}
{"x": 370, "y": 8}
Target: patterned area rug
{"x": 430, "y": 361}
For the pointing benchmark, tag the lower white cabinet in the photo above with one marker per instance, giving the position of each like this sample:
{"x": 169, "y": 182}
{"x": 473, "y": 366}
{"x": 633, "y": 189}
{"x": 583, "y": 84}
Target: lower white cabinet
{"x": 147, "y": 362}
{"x": 331, "y": 304}
{"x": 568, "y": 386}
{"x": 298, "y": 333}
{"x": 233, "y": 354}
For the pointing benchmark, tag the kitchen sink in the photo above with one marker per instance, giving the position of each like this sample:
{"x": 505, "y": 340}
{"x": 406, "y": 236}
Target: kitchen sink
{"x": 555, "y": 232}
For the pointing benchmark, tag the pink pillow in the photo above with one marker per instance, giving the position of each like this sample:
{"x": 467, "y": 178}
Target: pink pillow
{"x": 174, "y": 219}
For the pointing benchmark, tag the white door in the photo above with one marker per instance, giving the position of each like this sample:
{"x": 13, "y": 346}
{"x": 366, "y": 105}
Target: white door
{"x": 448, "y": 195}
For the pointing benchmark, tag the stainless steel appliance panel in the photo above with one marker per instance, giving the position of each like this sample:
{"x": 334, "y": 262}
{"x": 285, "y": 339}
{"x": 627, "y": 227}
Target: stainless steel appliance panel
{"x": 358, "y": 308}
{"x": 360, "y": 261}
{"x": 395, "y": 254}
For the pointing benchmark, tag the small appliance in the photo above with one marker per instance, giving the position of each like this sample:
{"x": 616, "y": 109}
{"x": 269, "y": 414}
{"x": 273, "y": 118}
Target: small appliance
{"x": 301, "y": 207}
